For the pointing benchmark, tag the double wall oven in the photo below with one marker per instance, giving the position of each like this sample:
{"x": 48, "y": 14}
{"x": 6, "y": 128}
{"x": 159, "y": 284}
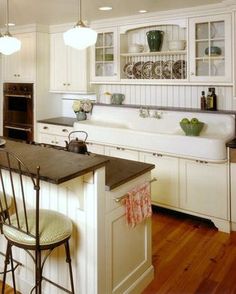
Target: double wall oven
{"x": 18, "y": 111}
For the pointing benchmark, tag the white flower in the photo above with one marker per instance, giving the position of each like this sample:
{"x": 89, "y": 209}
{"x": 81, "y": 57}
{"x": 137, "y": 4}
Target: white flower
{"x": 77, "y": 106}
{"x": 82, "y": 105}
{"x": 87, "y": 105}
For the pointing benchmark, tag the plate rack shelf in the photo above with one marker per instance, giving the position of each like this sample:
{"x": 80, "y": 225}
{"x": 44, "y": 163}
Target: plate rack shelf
{"x": 163, "y": 65}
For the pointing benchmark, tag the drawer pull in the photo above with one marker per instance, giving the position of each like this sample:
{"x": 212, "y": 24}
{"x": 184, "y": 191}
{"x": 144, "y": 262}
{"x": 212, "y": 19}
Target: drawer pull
{"x": 65, "y": 131}
{"x": 45, "y": 128}
{"x": 202, "y": 161}
{"x": 120, "y": 148}
{"x": 157, "y": 154}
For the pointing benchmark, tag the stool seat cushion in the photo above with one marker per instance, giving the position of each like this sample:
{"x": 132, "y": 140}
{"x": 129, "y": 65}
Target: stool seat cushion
{"x": 5, "y": 205}
{"x": 54, "y": 227}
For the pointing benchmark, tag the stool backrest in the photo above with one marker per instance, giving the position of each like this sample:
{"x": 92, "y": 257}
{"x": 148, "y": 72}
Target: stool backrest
{"x": 12, "y": 172}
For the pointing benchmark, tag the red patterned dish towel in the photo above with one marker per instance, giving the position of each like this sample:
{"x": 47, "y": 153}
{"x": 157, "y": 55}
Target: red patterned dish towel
{"x": 138, "y": 204}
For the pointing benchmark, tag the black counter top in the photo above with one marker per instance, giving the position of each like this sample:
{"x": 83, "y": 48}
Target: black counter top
{"x": 60, "y": 121}
{"x": 231, "y": 144}
{"x": 168, "y": 108}
{"x": 58, "y": 166}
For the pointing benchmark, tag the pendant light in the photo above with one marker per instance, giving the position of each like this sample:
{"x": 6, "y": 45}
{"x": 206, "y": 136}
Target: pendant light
{"x": 80, "y": 36}
{"x": 8, "y": 43}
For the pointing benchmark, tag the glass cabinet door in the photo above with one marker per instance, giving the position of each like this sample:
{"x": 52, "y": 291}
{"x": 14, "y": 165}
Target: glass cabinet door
{"x": 105, "y": 63}
{"x": 210, "y": 49}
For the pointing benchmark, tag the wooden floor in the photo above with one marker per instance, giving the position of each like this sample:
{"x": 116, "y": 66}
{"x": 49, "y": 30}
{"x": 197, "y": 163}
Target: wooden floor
{"x": 190, "y": 257}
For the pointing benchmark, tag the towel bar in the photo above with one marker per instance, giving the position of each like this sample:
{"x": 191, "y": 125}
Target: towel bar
{"x": 118, "y": 199}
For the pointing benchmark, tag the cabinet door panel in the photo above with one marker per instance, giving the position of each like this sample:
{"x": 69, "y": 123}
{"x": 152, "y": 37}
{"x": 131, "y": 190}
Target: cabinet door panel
{"x": 21, "y": 66}
{"x": 203, "y": 188}
{"x": 210, "y": 32}
{"x": 58, "y": 63}
{"x": 165, "y": 189}
{"x": 77, "y": 70}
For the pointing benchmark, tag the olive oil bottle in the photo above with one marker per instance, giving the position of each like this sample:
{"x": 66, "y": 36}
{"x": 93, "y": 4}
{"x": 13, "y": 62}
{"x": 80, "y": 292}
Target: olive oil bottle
{"x": 209, "y": 100}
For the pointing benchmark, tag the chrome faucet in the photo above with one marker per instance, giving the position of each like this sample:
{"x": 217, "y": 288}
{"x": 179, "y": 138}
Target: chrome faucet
{"x": 144, "y": 112}
{"x": 157, "y": 114}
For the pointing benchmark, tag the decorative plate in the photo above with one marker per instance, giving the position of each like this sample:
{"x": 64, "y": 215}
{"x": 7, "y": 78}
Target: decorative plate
{"x": 179, "y": 69}
{"x": 137, "y": 69}
{"x": 128, "y": 70}
{"x": 2, "y": 142}
{"x": 157, "y": 69}
{"x": 167, "y": 69}
{"x": 147, "y": 70}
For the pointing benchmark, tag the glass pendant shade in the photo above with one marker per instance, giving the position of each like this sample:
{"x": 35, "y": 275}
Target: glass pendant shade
{"x": 9, "y": 44}
{"x": 80, "y": 37}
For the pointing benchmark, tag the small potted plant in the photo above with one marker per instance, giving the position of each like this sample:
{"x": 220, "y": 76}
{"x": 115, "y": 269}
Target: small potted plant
{"x": 81, "y": 108}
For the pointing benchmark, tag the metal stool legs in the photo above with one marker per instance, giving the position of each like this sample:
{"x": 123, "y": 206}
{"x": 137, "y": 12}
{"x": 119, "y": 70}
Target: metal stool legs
{"x": 9, "y": 259}
{"x": 68, "y": 260}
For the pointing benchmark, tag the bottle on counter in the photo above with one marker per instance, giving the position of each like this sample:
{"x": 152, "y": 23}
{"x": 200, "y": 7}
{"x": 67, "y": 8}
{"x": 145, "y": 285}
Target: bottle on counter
{"x": 203, "y": 101}
{"x": 214, "y": 99}
{"x": 209, "y": 100}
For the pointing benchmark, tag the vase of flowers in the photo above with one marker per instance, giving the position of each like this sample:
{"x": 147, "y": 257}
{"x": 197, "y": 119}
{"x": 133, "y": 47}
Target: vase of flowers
{"x": 81, "y": 108}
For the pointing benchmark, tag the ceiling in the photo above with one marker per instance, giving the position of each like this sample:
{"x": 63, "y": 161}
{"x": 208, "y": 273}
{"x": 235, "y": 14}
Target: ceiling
{"x": 66, "y": 11}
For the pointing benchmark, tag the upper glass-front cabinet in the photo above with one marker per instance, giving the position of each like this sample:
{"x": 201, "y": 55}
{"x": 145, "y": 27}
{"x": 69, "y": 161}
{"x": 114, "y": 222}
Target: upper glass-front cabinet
{"x": 210, "y": 48}
{"x": 104, "y": 56}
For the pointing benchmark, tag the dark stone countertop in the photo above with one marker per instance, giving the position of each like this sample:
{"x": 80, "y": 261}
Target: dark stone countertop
{"x": 231, "y": 144}
{"x": 58, "y": 166}
{"x": 60, "y": 121}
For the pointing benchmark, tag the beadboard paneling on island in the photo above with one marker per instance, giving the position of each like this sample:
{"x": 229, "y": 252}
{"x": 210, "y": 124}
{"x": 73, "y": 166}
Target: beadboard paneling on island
{"x": 168, "y": 95}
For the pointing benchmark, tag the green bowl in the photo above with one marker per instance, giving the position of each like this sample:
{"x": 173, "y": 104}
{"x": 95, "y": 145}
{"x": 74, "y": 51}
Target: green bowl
{"x": 191, "y": 129}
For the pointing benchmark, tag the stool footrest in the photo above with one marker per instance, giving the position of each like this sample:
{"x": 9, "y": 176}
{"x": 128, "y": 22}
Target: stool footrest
{"x": 15, "y": 267}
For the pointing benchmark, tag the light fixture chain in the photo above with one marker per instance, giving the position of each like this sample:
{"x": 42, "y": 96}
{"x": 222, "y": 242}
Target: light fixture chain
{"x": 79, "y": 12}
{"x": 7, "y": 17}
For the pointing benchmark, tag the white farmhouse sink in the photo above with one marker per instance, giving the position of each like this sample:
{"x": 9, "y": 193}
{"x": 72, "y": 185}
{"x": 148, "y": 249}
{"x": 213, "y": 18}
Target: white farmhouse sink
{"x": 124, "y": 128}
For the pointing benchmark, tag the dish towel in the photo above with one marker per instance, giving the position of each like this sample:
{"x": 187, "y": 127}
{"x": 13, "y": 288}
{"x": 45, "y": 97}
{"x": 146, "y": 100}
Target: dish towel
{"x": 138, "y": 204}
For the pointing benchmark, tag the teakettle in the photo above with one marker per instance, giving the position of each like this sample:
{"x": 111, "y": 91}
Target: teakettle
{"x": 76, "y": 145}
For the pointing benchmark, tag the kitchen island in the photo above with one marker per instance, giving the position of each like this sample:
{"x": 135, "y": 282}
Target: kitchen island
{"x": 107, "y": 255}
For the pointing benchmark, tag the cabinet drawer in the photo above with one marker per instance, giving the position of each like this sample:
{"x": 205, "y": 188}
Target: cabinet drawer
{"x": 54, "y": 129}
{"x": 53, "y": 139}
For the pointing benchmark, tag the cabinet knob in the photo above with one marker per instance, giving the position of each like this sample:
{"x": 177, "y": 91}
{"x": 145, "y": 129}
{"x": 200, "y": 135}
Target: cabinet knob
{"x": 64, "y": 84}
{"x": 18, "y": 75}
{"x": 45, "y": 128}
{"x": 65, "y": 131}
{"x": 68, "y": 84}
{"x": 52, "y": 142}
{"x": 192, "y": 73}
{"x": 15, "y": 75}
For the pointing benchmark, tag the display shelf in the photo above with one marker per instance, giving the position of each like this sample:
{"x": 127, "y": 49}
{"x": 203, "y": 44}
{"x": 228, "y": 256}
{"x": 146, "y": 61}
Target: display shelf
{"x": 160, "y": 53}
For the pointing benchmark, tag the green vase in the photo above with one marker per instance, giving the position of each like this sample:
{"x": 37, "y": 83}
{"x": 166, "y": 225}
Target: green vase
{"x": 81, "y": 115}
{"x": 155, "y": 39}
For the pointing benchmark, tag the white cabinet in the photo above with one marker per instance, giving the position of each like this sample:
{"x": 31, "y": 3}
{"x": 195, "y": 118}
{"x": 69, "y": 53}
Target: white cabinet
{"x": 104, "y": 56}
{"x": 21, "y": 66}
{"x": 68, "y": 67}
{"x": 121, "y": 152}
{"x": 95, "y": 148}
{"x": 204, "y": 188}
{"x": 53, "y": 134}
{"x": 210, "y": 48}
{"x": 165, "y": 191}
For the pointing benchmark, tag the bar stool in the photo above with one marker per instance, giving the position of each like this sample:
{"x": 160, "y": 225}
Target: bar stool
{"x": 31, "y": 228}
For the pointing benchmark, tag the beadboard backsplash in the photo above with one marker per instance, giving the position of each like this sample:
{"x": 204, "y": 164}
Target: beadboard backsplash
{"x": 168, "y": 95}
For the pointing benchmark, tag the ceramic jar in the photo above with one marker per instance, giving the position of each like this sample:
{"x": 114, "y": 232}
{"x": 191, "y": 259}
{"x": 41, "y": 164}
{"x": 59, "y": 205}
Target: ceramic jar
{"x": 81, "y": 115}
{"x": 155, "y": 40}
